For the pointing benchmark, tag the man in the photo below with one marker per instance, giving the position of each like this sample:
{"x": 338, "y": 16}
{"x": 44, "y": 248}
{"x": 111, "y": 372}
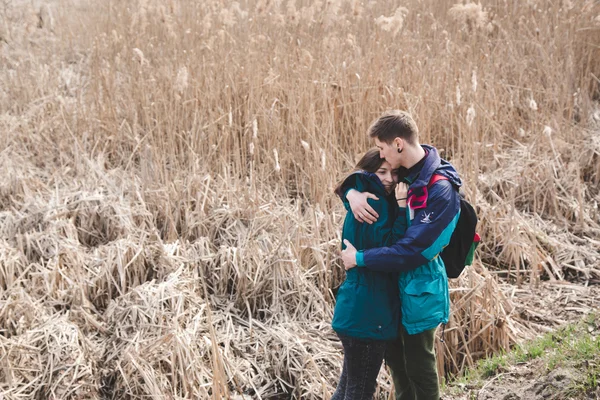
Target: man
{"x": 432, "y": 212}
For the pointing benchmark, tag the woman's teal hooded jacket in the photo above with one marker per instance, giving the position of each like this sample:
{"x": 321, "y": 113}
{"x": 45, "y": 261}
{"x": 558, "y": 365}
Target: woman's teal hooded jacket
{"x": 367, "y": 303}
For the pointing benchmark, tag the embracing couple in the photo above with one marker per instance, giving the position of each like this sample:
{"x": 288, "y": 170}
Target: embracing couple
{"x": 396, "y": 290}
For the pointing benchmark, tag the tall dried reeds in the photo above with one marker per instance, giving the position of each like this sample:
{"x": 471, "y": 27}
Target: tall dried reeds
{"x": 167, "y": 222}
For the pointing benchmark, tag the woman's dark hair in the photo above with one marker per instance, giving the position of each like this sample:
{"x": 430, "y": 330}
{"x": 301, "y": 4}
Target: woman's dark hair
{"x": 370, "y": 162}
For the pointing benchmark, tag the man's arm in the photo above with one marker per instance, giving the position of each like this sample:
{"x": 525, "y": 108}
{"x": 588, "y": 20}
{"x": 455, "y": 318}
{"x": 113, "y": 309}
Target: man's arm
{"x": 429, "y": 233}
{"x": 362, "y": 211}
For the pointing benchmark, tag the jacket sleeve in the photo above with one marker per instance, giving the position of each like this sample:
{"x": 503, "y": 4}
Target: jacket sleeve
{"x": 399, "y": 228}
{"x": 390, "y": 225}
{"x": 428, "y": 234}
{"x": 389, "y": 233}
{"x": 355, "y": 182}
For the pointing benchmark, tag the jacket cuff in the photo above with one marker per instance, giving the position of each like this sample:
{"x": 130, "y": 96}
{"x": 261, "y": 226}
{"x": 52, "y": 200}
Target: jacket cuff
{"x": 360, "y": 259}
{"x": 346, "y": 193}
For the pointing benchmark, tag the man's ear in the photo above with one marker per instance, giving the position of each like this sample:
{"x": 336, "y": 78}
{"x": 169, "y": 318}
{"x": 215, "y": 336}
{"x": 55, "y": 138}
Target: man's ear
{"x": 398, "y": 143}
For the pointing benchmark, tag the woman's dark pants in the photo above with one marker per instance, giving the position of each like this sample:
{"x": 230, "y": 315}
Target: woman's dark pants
{"x": 362, "y": 361}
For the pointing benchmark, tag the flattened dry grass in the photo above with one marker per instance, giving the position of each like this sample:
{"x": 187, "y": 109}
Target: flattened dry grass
{"x": 167, "y": 222}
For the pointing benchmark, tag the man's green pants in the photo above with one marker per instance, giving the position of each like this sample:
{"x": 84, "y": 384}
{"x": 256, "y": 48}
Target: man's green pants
{"x": 411, "y": 359}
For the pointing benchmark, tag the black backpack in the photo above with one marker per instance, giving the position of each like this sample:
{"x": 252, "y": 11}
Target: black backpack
{"x": 464, "y": 240}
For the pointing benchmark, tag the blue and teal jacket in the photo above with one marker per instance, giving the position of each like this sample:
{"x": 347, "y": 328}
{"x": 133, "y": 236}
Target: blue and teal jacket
{"x": 367, "y": 303}
{"x": 431, "y": 217}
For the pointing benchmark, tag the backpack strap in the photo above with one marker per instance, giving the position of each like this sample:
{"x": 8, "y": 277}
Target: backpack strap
{"x": 435, "y": 178}
{"x": 419, "y": 199}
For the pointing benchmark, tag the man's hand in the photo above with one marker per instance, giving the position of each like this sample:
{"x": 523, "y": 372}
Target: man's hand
{"x": 361, "y": 209}
{"x": 349, "y": 255}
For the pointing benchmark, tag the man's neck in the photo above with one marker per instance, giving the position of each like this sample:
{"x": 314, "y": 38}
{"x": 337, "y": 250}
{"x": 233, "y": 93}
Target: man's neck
{"x": 415, "y": 155}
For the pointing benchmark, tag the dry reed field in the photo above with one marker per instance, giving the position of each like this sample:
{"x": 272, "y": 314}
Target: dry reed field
{"x": 167, "y": 223}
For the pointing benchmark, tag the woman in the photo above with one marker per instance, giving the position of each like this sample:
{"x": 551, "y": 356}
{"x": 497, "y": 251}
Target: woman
{"x": 366, "y": 313}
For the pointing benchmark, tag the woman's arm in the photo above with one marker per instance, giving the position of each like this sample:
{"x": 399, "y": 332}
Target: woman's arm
{"x": 399, "y": 227}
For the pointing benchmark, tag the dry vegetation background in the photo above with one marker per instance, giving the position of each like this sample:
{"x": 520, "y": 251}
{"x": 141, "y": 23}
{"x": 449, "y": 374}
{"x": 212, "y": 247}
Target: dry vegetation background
{"x": 167, "y": 222}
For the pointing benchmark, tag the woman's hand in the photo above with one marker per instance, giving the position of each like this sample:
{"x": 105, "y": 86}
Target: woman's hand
{"x": 361, "y": 209}
{"x": 401, "y": 193}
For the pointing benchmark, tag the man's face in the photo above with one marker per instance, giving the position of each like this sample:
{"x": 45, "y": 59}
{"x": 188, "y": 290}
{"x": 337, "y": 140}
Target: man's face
{"x": 390, "y": 151}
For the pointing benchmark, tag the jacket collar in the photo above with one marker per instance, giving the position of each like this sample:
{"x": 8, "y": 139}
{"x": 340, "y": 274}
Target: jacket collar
{"x": 419, "y": 176}
{"x": 376, "y": 187}
{"x": 420, "y": 173}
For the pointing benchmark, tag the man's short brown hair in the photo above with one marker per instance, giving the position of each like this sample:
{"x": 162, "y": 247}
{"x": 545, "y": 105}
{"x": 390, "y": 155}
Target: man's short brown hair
{"x": 393, "y": 124}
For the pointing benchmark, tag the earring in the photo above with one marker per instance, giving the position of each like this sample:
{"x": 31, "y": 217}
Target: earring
{"x": 399, "y": 150}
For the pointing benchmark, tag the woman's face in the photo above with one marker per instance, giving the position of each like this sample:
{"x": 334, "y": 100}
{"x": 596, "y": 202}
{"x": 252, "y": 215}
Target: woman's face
{"x": 387, "y": 176}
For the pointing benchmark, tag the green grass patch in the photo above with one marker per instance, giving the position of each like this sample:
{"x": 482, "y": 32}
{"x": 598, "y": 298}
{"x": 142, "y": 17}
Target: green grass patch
{"x": 575, "y": 346}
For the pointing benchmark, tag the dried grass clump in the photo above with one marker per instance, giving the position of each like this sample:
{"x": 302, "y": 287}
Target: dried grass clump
{"x": 161, "y": 343}
{"x": 51, "y": 360}
{"x": 118, "y": 267}
{"x": 394, "y": 23}
{"x": 260, "y": 269}
{"x": 19, "y": 312}
{"x": 471, "y": 16}
{"x": 98, "y": 222}
{"x": 293, "y": 357}
{"x": 8, "y": 224}
{"x": 13, "y": 264}
{"x": 537, "y": 242}
{"x": 483, "y": 318}
{"x": 25, "y": 21}
{"x": 21, "y": 181}
{"x": 52, "y": 240}
{"x": 167, "y": 339}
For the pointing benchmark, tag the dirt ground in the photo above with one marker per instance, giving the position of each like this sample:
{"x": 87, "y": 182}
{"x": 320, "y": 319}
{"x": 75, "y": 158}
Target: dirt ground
{"x": 528, "y": 382}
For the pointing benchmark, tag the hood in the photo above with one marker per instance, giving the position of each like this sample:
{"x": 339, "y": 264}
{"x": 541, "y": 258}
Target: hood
{"x": 421, "y": 174}
{"x": 369, "y": 182}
